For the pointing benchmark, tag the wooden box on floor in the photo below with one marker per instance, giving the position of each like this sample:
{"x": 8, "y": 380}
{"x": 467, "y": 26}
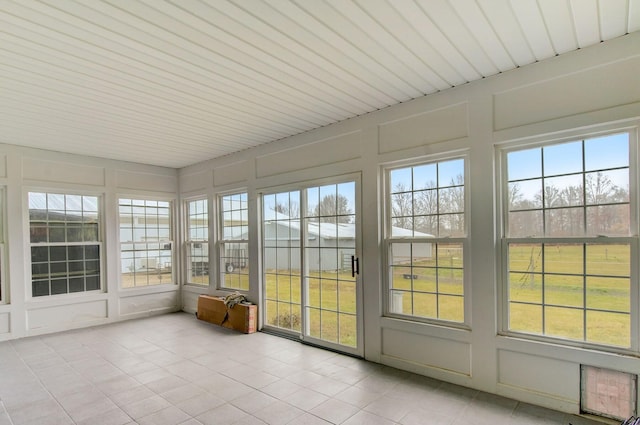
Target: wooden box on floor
{"x": 241, "y": 317}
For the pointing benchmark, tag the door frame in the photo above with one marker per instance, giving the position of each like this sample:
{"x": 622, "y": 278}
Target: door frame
{"x": 302, "y": 187}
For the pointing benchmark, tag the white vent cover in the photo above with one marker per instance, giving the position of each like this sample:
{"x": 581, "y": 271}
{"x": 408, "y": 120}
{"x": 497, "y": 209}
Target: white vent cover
{"x": 608, "y": 393}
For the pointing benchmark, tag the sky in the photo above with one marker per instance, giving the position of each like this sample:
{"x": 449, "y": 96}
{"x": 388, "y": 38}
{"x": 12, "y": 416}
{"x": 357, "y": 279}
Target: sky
{"x": 605, "y": 152}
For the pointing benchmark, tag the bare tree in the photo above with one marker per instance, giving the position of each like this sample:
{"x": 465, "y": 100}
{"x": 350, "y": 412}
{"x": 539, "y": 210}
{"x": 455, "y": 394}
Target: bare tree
{"x": 332, "y": 209}
{"x": 402, "y": 207}
{"x": 291, "y": 209}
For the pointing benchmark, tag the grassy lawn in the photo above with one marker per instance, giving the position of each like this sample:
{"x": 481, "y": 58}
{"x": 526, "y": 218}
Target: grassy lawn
{"x": 331, "y": 303}
{"x": 568, "y": 304}
{"x": 145, "y": 278}
{"x": 585, "y": 295}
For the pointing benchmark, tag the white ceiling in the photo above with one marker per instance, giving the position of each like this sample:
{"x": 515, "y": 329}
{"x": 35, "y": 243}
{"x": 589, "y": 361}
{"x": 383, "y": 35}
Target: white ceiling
{"x": 177, "y": 82}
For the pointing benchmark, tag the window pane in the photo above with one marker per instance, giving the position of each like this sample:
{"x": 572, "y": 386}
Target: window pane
{"x": 59, "y": 286}
{"x": 76, "y": 284}
{"x": 608, "y": 220}
{"x": 525, "y": 318}
{"x": 451, "y": 308}
{"x": 525, "y": 287}
{"x": 612, "y": 294}
{"x": 92, "y": 283}
{"x": 40, "y": 288}
{"x": 39, "y": 254}
{"x": 564, "y": 290}
{"x": 347, "y": 297}
{"x": 563, "y": 191}
{"x": 425, "y": 305}
{"x": 58, "y": 253}
{"x": 525, "y": 257}
{"x": 55, "y": 202}
{"x": 38, "y": 233}
{"x": 424, "y": 176}
{"x": 564, "y": 258}
{"x": 451, "y": 173}
{"x": 564, "y": 222}
{"x": 424, "y": 279}
{"x": 348, "y": 330}
{"x": 524, "y": 164}
{"x": 525, "y": 224}
{"x": 609, "y": 328}
{"x": 525, "y": 195}
{"x": 564, "y": 322}
{"x": 401, "y": 180}
{"x": 608, "y": 259}
{"x": 403, "y": 226}
{"x": 610, "y": 151}
{"x": 562, "y": 158}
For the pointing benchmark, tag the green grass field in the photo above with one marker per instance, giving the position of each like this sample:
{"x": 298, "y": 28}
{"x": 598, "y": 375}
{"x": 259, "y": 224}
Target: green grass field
{"x": 585, "y": 295}
{"x": 331, "y": 305}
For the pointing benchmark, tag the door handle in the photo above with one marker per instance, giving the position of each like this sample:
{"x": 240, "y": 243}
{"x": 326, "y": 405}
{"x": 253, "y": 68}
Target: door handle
{"x": 355, "y": 266}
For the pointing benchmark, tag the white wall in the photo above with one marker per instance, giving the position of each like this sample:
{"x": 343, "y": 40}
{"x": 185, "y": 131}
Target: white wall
{"x": 592, "y": 86}
{"x": 23, "y": 170}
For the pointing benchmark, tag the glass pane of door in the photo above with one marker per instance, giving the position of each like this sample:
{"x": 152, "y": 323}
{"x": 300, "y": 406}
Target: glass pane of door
{"x": 329, "y": 265}
{"x": 281, "y": 260}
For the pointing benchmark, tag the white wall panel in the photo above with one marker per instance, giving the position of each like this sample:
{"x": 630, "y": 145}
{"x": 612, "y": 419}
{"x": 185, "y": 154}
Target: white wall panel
{"x": 3, "y": 166}
{"x": 190, "y": 296}
{"x": 433, "y": 352}
{"x": 62, "y": 172}
{"x": 146, "y": 181}
{"x": 342, "y": 147}
{"x": 5, "y": 323}
{"x": 195, "y": 181}
{"x": 149, "y": 303}
{"x": 552, "y": 377}
{"x": 590, "y": 90}
{"x": 422, "y": 129}
{"x": 231, "y": 173}
{"x": 55, "y": 318}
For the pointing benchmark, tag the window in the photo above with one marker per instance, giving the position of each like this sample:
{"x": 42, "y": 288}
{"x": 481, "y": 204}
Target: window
{"x": 65, "y": 243}
{"x": 233, "y": 247}
{"x": 425, "y": 241}
{"x": 568, "y": 240}
{"x": 146, "y": 248}
{"x": 197, "y": 245}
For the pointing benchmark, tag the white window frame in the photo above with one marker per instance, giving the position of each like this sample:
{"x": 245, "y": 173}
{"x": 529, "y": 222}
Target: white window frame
{"x": 632, "y": 239}
{"x": 192, "y": 243}
{"x": 389, "y": 240}
{"x": 166, "y": 244}
{"x": 99, "y": 243}
{"x": 4, "y": 297}
{"x": 241, "y": 266}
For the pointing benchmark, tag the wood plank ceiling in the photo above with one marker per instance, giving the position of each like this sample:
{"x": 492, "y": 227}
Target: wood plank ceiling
{"x": 175, "y": 82}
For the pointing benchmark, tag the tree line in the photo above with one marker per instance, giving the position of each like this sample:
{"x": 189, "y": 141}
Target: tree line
{"x": 597, "y": 206}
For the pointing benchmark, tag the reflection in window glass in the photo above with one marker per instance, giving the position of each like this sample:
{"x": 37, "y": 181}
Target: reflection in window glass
{"x": 234, "y": 242}
{"x": 146, "y": 248}
{"x": 65, "y": 243}
{"x": 197, "y": 244}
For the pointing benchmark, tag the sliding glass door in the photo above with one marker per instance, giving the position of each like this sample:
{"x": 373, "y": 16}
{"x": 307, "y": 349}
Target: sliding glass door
{"x": 311, "y": 266}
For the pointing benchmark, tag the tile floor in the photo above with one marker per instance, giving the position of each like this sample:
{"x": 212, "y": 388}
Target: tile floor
{"x": 174, "y": 369}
